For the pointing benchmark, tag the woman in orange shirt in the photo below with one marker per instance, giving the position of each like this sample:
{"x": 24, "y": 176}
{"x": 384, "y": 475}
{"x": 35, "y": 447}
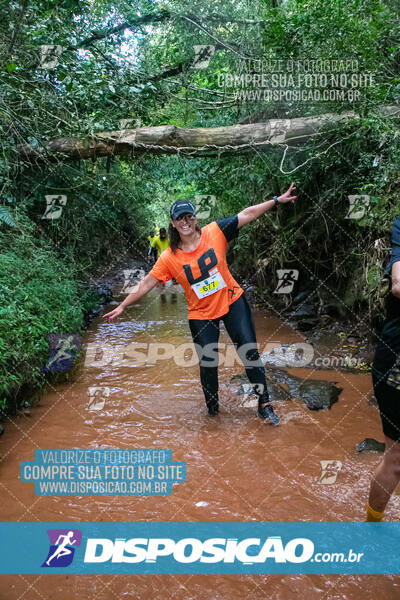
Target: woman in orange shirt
{"x": 196, "y": 258}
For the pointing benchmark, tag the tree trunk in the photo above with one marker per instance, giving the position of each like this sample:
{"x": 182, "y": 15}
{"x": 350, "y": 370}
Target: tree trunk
{"x": 213, "y": 141}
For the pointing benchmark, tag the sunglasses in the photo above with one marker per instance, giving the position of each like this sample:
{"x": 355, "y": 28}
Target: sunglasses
{"x": 186, "y": 216}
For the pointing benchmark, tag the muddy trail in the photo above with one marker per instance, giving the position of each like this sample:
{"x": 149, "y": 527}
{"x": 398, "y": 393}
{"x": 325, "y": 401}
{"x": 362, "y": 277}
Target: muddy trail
{"x": 162, "y": 406}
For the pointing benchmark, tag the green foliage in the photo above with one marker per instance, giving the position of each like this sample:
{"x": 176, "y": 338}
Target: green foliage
{"x": 5, "y": 217}
{"x": 143, "y": 71}
{"x": 38, "y": 295}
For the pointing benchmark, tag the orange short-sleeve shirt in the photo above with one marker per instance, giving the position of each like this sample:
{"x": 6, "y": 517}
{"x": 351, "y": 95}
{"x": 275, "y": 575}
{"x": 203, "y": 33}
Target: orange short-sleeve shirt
{"x": 203, "y": 273}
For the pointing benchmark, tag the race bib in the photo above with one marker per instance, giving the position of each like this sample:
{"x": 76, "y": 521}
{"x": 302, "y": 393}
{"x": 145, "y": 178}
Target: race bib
{"x": 210, "y": 285}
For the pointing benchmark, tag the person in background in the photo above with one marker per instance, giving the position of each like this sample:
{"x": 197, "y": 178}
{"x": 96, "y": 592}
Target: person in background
{"x": 386, "y": 382}
{"x": 160, "y": 242}
{"x": 151, "y": 258}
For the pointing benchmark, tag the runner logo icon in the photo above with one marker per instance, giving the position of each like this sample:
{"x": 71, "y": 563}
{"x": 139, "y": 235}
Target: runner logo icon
{"x": 61, "y": 551}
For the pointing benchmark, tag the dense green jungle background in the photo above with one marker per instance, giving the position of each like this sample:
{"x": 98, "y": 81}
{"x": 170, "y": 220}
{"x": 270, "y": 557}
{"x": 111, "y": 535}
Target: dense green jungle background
{"x": 133, "y": 60}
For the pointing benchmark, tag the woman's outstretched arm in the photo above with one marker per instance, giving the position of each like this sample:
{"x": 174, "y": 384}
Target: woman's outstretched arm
{"x": 253, "y": 212}
{"x": 144, "y": 286}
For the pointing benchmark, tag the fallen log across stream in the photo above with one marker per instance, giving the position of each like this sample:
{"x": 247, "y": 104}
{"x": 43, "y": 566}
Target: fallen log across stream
{"x": 202, "y": 141}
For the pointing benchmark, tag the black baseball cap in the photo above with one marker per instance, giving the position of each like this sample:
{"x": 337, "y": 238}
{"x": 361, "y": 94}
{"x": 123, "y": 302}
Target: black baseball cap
{"x": 181, "y": 206}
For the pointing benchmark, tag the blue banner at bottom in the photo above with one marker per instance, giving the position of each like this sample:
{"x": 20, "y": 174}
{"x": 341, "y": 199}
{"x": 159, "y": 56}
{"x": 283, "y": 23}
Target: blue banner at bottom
{"x": 199, "y": 548}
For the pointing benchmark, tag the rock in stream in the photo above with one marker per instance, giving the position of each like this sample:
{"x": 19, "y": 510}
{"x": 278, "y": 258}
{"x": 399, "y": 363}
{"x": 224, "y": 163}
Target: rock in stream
{"x": 315, "y": 393}
{"x": 370, "y": 445}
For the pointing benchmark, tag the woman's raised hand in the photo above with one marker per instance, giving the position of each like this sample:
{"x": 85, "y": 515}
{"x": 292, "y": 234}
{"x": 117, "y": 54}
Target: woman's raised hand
{"x": 286, "y": 197}
{"x": 114, "y": 313}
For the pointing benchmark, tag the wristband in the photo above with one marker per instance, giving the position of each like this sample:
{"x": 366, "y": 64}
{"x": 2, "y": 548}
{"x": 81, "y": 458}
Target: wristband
{"x": 275, "y": 199}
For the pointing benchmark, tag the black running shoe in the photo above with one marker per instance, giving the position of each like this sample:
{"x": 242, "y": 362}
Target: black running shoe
{"x": 267, "y": 412}
{"x": 213, "y": 410}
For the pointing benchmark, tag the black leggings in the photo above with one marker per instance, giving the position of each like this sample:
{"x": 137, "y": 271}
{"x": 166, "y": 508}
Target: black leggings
{"x": 240, "y": 327}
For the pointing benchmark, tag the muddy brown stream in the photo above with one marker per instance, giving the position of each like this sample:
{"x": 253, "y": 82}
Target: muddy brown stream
{"x": 238, "y": 467}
